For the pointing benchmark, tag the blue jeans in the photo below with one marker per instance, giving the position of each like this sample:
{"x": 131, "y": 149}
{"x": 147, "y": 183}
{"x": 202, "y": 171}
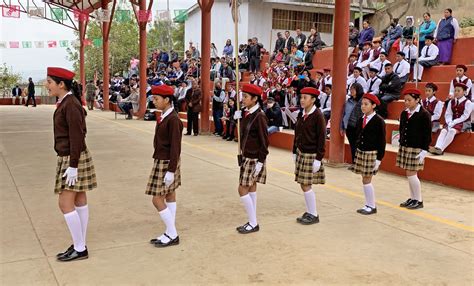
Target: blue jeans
{"x": 217, "y": 115}
{"x": 273, "y": 129}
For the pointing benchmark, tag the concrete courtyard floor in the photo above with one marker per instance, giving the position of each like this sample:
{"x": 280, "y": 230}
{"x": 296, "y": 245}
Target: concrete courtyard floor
{"x": 431, "y": 246}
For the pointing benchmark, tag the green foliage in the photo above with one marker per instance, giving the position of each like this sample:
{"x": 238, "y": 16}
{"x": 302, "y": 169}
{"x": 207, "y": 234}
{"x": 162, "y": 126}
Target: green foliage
{"x": 159, "y": 36}
{"x": 467, "y": 22}
{"x": 8, "y": 79}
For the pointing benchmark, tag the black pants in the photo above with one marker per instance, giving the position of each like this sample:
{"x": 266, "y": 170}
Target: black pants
{"x": 230, "y": 129}
{"x": 254, "y": 64}
{"x": 352, "y": 136}
{"x": 32, "y": 96}
{"x": 193, "y": 122}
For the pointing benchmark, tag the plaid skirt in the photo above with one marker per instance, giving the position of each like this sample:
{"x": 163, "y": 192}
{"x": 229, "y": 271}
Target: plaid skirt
{"x": 406, "y": 159}
{"x": 156, "y": 186}
{"x": 86, "y": 178}
{"x": 246, "y": 169}
{"x": 364, "y": 163}
{"x": 304, "y": 170}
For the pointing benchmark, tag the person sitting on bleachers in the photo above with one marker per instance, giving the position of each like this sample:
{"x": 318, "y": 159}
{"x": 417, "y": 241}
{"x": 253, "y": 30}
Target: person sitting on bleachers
{"x": 410, "y": 51}
{"x": 427, "y": 59}
{"x": 460, "y": 78}
{"x": 402, "y": 68}
{"x": 394, "y": 33}
{"x": 356, "y": 77}
{"x": 457, "y": 118}
{"x": 380, "y": 64}
{"x": 260, "y": 79}
{"x": 390, "y": 89}
{"x": 377, "y": 49}
{"x": 352, "y": 64}
{"x": 325, "y": 101}
{"x": 327, "y": 79}
{"x": 279, "y": 94}
{"x": 373, "y": 83}
{"x": 366, "y": 56}
{"x": 319, "y": 79}
{"x": 274, "y": 116}
{"x": 433, "y": 105}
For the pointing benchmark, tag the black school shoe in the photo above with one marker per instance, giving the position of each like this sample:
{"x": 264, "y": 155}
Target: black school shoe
{"x": 171, "y": 242}
{"x": 71, "y": 248}
{"x": 243, "y": 229}
{"x": 364, "y": 212}
{"x": 308, "y": 219}
{"x": 406, "y": 203}
{"x": 74, "y": 255}
{"x": 415, "y": 205}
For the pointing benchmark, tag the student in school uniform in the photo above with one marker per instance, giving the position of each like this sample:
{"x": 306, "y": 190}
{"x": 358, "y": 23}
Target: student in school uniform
{"x": 319, "y": 79}
{"x": 325, "y": 102}
{"x": 457, "y": 118}
{"x": 75, "y": 171}
{"x": 460, "y": 78}
{"x": 366, "y": 56}
{"x": 380, "y": 63}
{"x": 308, "y": 151}
{"x": 327, "y": 79}
{"x": 356, "y": 78}
{"x": 410, "y": 51}
{"x": 254, "y": 146}
{"x": 165, "y": 176}
{"x": 428, "y": 58}
{"x": 402, "y": 68}
{"x": 377, "y": 49}
{"x": 415, "y": 138}
{"x": 370, "y": 149}
{"x": 373, "y": 83}
{"x": 352, "y": 64}
{"x": 433, "y": 105}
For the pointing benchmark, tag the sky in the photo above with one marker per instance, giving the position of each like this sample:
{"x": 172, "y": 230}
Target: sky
{"x": 33, "y": 62}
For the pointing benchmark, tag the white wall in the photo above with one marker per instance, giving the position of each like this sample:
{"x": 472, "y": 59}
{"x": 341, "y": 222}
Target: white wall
{"x": 222, "y": 26}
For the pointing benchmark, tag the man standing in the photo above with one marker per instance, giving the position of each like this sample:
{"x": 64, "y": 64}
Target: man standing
{"x": 289, "y": 41}
{"x": 353, "y": 37}
{"x": 218, "y": 108}
{"x": 90, "y": 94}
{"x": 31, "y": 92}
{"x": 193, "y": 101}
{"x": 279, "y": 44}
{"x": 254, "y": 54}
{"x": 300, "y": 39}
{"x": 366, "y": 35}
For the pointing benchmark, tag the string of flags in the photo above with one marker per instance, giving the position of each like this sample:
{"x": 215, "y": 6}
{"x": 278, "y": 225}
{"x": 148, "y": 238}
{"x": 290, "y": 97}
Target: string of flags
{"x": 49, "y": 44}
{"x": 99, "y": 15}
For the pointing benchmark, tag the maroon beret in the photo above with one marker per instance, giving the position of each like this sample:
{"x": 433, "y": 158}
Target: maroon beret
{"x": 372, "y": 98}
{"x": 60, "y": 73}
{"x": 412, "y": 91}
{"x": 310, "y": 90}
{"x": 162, "y": 90}
{"x": 252, "y": 89}
{"x": 461, "y": 85}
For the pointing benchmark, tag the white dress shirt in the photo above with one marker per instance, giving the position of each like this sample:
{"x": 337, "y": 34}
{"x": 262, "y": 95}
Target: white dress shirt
{"x": 448, "y": 116}
{"x": 438, "y": 108}
{"x": 325, "y": 98}
{"x": 401, "y": 68}
{"x": 429, "y": 53}
{"x": 379, "y": 65}
{"x": 411, "y": 52}
{"x": 373, "y": 85}
{"x": 469, "y": 85}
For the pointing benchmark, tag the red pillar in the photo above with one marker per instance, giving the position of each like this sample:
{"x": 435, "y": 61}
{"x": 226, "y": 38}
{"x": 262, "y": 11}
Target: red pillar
{"x": 82, "y": 71}
{"x": 143, "y": 62}
{"x": 206, "y": 6}
{"x": 105, "y": 57}
{"x": 340, "y": 53}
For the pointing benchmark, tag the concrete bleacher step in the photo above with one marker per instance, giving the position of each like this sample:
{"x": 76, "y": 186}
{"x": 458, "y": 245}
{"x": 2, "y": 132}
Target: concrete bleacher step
{"x": 435, "y": 166}
{"x": 444, "y": 73}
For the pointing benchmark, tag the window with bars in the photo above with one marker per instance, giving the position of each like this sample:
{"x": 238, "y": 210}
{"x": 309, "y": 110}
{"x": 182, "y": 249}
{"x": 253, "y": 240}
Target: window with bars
{"x": 292, "y": 20}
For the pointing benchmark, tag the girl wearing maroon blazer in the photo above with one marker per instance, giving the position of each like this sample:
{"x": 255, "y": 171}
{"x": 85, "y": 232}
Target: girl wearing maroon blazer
{"x": 75, "y": 172}
{"x": 370, "y": 144}
{"x": 415, "y": 138}
{"x": 165, "y": 177}
{"x": 308, "y": 151}
{"x": 254, "y": 147}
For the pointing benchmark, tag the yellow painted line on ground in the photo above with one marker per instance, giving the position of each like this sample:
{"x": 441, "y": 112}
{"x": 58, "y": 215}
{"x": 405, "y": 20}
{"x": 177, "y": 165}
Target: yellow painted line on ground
{"x": 328, "y": 186}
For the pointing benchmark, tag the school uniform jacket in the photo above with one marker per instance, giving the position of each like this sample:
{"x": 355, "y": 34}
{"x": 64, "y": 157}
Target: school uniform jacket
{"x": 310, "y": 134}
{"x": 415, "y": 132}
{"x": 70, "y": 130}
{"x": 464, "y": 79}
{"x": 167, "y": 141}
{"x": 372, "y": 136}
{"x": 254, "y": 141}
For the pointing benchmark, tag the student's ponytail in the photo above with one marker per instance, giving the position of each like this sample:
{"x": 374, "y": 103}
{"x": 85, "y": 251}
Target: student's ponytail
{"x": 76, "y": 90}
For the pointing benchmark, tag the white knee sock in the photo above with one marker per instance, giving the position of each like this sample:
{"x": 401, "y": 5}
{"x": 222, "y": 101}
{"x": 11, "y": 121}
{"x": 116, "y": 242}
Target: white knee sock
{"x": 448, "y": 139}
{"x": 167, "y": 218}
{"x": 369, "y": 195}
{"x": 253, "y": 195}
{"x": 172, "y": 207}
{"x": 248, "y": 205}
{"x": 83, "y": 213}
{"x": 415, "y": 186}
{"x": 310, "y": 198}
{"x": 74, "y": 224}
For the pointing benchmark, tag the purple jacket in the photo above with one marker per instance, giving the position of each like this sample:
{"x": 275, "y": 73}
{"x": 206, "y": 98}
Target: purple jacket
{"x": 366, "y": 35}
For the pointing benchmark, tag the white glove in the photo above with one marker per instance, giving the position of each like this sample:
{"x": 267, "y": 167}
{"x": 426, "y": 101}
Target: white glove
{"x": 377, "y": 165}
{"x": 421, "y": 156}
{"x": 169, "y": 179}
{"x": 258, "y": 169}
{"x": 294, "y": 158}
{"x": 316, "y": 166}
{"x": 238, "y": 115}
{"x": 71, "y": 176}
{"x": 451, "y": 124}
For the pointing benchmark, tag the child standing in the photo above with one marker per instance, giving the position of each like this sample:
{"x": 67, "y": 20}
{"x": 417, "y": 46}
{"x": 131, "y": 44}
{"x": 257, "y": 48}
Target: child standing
{"x": 370, "y": 149}
{"x": 415, "y": 138}
{"x": 308, "y": 151}
{"x": 457, "y": 117}
{"x": 230, "y": 121}
{"x": 433, "y": 105}
{"x": 254, "y": 146}
{"x": 165, "y": 177}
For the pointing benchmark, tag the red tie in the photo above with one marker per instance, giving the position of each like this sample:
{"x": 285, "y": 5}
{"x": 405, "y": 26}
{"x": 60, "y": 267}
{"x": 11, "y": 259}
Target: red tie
{"x": 158, "y": 120}
{"x": 57, "y": 104}
{"x": 246, "y": 113}
{"x": 409, "y": 114}
{"x": 365, "y": 122}
{"x": 305, "y": 116}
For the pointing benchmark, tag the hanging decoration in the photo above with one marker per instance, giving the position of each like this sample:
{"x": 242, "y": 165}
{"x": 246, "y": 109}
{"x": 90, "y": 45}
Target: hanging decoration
{"x": 13, "y": 11}
{"x": 144, "y": 16}
{"x": 36, "y": 12}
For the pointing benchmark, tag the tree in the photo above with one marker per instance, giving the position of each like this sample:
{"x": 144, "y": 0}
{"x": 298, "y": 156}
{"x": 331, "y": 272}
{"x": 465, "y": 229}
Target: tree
{"x": 8, "y": 79}
{"x": 159, "y": 37}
